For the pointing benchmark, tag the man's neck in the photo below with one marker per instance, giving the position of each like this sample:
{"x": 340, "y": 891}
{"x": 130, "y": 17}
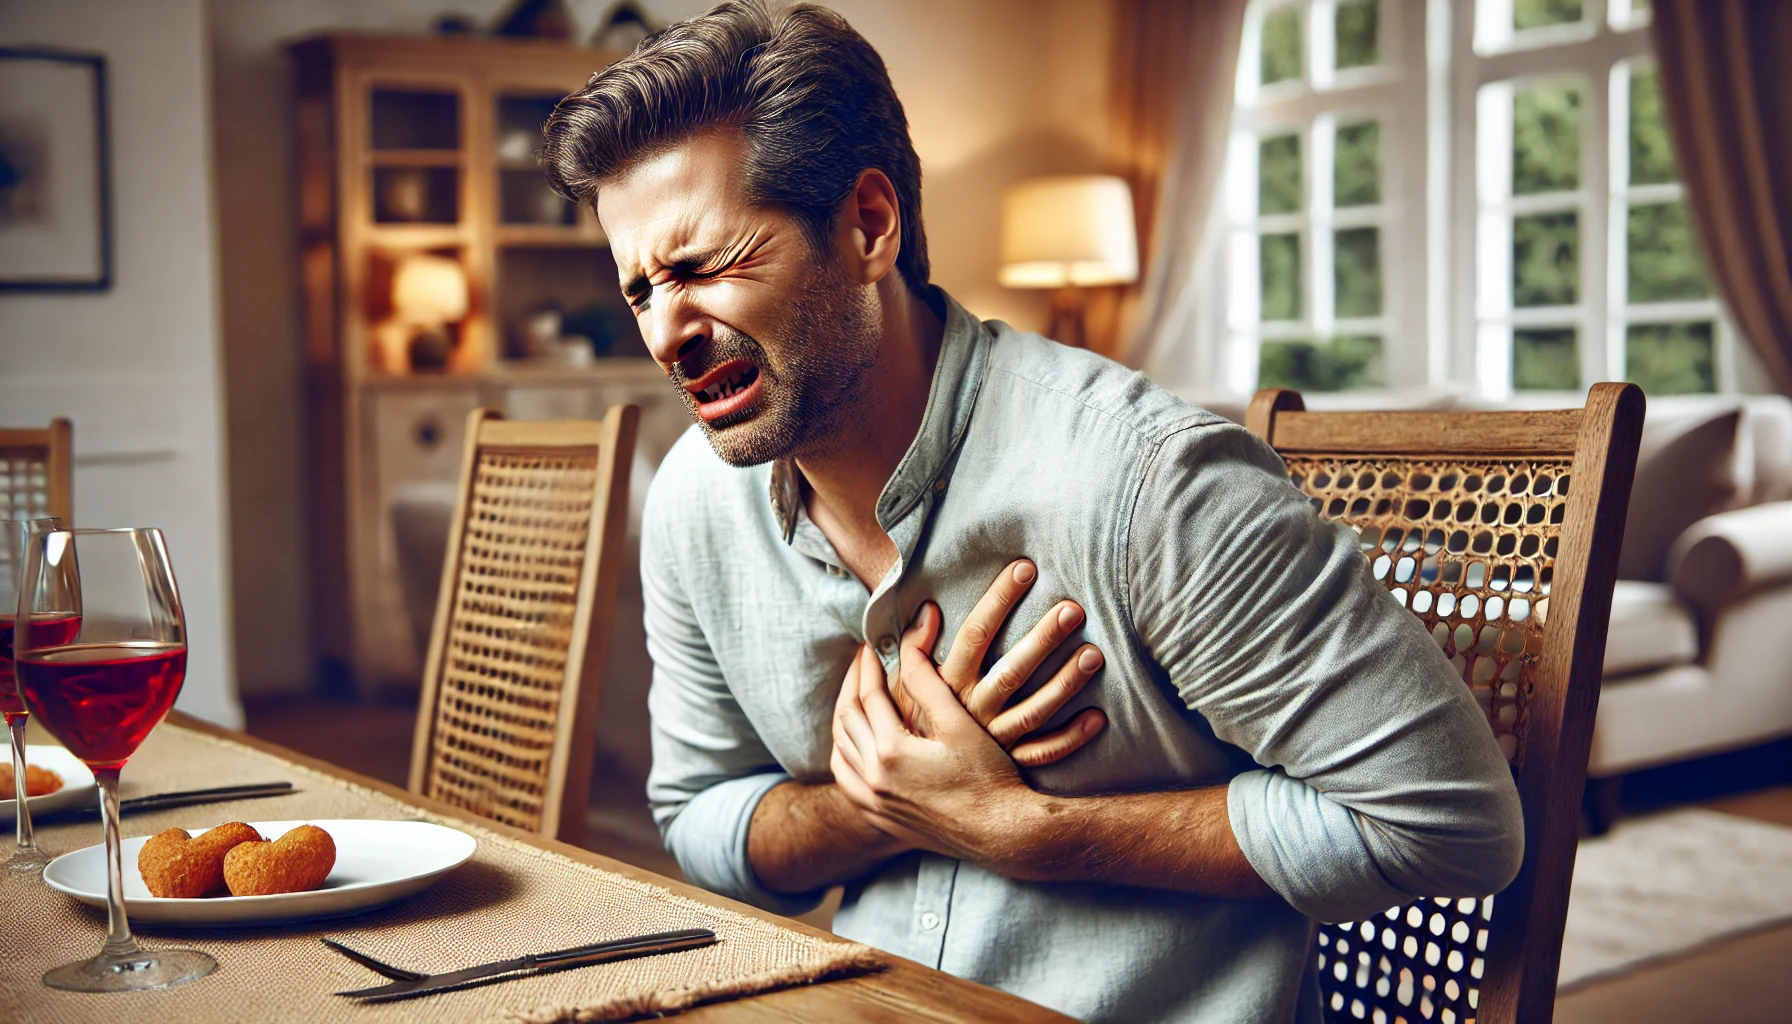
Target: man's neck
{"x": 843, "y": 482}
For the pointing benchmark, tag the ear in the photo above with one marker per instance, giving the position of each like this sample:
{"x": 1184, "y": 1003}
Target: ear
{"x": 868, "y": 231}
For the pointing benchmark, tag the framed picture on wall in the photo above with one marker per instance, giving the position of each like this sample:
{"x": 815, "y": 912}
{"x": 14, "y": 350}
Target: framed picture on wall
{"x": 55, "y": 184}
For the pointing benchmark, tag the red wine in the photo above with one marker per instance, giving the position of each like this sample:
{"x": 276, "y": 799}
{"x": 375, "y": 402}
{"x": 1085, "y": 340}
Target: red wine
{"x": 100, "y": 700}
{"x": 52, "y": 629}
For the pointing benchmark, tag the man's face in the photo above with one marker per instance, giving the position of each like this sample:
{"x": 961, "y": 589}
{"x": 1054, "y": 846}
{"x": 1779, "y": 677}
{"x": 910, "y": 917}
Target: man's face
{"x": 768, "y": 342}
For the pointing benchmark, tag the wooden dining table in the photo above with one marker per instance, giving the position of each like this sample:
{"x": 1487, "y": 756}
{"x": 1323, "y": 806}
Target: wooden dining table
{"x": 900, "y": 990}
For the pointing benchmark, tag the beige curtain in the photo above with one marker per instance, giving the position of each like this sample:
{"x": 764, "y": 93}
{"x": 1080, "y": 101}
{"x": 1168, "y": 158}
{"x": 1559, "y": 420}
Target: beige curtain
{"x": 1175, "y": 65}
{"x": 1726, "y": 79}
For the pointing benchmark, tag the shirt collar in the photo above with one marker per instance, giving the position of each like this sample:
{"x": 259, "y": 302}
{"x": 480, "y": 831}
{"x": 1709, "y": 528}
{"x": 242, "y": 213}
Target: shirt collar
{"x": 957, "y": 376}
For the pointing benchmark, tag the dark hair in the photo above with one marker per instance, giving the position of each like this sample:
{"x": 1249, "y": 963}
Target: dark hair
{"x": 810, "y": 95}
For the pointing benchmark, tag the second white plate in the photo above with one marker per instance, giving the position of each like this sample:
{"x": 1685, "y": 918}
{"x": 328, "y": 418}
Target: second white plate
{"x": 77, "y": 789}
{"x": 377, "y": 863}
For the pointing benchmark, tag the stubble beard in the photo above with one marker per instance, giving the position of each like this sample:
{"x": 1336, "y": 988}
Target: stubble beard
{"x": 811, "y": 388}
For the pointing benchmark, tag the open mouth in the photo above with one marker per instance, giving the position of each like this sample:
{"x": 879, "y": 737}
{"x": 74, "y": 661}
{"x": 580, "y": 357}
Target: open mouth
{"x": 725, "y": 390}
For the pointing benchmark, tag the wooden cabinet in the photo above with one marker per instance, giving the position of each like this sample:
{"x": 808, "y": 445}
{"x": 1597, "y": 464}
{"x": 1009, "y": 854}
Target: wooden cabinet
{"x": 425, "y": 146}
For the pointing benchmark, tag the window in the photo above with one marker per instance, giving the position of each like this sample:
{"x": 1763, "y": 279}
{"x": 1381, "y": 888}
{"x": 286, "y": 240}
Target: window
{"x": 1471, "y": 191}
{"x": 1312, "y": 217}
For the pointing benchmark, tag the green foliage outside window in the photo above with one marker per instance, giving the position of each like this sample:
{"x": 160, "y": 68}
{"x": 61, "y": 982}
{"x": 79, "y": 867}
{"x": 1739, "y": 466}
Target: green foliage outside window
{"x": 1279, "y": 276}
{"x": 1651, "y": 151}
{"x": 1671, "y": 359}
{"x": 1546, "y": 260}
{"x": 1278, "y": 174}
{"x": 1346, "y": 363}
{"x": 1546, "y": 138}
{"x": 1356, "y": 165}
{"x": 1537, "y": 13}
{"x": 1356, "y": 33}
{"x": 1281, "y": 45}
{"x": 1664, "y": 260}
{"x": 1545, "y": 360}
{"x": 1356, "y": 264}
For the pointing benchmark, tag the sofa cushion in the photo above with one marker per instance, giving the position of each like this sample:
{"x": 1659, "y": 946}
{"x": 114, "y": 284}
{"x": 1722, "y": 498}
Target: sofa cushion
{"x": 1650, "y": 629}
{"x": 1685, "y": 471}
{"x": 1725, "y": 556}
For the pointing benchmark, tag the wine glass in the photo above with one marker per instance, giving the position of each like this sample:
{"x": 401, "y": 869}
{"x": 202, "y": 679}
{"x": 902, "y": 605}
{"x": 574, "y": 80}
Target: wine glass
{"x": 100, "y": 691}
{"x": 14, "y": 533}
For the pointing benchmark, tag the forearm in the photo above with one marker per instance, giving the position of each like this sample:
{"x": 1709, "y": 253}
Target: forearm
{"x": 1179, "y": 840}
{"x": 807, "y": 837}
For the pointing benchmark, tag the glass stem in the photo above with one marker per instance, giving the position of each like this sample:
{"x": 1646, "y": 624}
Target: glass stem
{"x": 22, "y": 833}
{"x": 119, "y": 942}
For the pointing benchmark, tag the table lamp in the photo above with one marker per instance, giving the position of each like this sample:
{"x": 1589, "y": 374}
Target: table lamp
{"x": 429, "y": 293}
{"x": 1069, "y": 233}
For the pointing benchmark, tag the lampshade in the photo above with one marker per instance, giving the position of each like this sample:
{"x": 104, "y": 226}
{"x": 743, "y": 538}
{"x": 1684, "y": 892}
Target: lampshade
{"x": 1072, "y": 230}
{"x": 429, "y": 290}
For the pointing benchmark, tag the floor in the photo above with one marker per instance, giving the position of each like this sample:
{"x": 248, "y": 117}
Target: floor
{"x": 1743, "y": 980}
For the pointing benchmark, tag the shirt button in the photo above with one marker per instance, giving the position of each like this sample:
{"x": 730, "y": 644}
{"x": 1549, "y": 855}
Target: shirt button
{"x": 930, "y": 921}
{"x": 834, "y": 570}
{"x": 938, "y": 486}
{"x": 887, "y": 645}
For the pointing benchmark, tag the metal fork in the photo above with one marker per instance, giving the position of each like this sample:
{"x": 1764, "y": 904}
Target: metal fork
{"x": 379, "y": 966}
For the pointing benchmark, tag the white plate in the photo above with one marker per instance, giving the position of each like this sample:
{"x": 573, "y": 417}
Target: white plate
{"x": 377, "y": 863}
{"x": 77, "y": 789}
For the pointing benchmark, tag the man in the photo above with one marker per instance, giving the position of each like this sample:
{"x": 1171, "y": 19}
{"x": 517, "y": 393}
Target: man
{"x": 1271, "y": 737}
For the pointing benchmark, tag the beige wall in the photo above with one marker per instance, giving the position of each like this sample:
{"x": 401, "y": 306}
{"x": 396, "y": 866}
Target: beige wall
{"x": 136, "y": 367}
{"x": 996, "y": 90}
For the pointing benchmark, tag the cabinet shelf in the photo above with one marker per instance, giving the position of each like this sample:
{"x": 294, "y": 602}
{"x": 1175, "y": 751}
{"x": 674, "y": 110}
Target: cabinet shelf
{"x": 414, "y": 157}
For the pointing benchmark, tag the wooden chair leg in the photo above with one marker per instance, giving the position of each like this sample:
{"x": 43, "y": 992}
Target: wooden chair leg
{"x": 1601, "y": 802}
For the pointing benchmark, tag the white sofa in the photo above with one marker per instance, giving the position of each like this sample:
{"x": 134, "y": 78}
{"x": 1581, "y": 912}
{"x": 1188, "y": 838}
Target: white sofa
{"x": 1698, "y": 656}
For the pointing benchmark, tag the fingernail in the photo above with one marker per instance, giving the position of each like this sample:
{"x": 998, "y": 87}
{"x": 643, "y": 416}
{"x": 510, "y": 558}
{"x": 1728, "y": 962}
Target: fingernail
{"x": 1068, "y": 615}
{"x": 1089, "y": 660}
{"x": 1092, "y": 724}
{"x": 1024, "y": 572}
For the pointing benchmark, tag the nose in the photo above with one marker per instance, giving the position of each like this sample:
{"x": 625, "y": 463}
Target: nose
{"x": 674, "y": 328}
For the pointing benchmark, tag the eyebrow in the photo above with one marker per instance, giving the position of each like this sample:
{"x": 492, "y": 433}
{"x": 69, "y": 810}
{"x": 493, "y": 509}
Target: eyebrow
{"x": 682, "y": 261}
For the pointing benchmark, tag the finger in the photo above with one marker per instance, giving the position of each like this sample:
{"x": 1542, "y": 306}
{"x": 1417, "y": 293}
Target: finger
{"x": 964, "y": 662}
{"x": 939, "y": 705}
{"x": 1060, "y": 744}
{"x": 1038, "y": 708}
{"x": 845, "y": 747}
{"x": 923, "y": 631}
{"x": 886, "y": 721}
{"x": 1012, "y": 670}
{"x": 851, "y": 782}
{"x": 858, "y": 732}
{"x": 849, "y": 687}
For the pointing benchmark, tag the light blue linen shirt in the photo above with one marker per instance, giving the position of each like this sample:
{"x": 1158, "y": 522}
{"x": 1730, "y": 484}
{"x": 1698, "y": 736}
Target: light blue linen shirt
{"x": 1246, "y": 645}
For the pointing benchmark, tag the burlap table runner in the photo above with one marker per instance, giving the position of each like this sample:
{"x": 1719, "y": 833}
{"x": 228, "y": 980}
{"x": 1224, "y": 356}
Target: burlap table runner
{"x": 510, "y": 899}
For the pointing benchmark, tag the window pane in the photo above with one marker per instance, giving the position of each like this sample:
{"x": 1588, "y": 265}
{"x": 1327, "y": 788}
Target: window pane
{"x": 1546, "y": 260}
{"x": 1664, "y": 260}
{"x": 1281, "y": 45}
{"x": 1546, "y": 138}
{"x": 1279, "y": 265}
{"x": 1357, "y": 267}
{"x": 1536, "y": 13}
{"x": 1356, "y": 27}
{"x": 1356, "y": 167}
{"x": 1545, "y": 360}
{"x": 1348, "y": 362}
{"x": 1651, "y": 154}
{"x": 1670, "y": 359}
{"x": 1278, "y": 174}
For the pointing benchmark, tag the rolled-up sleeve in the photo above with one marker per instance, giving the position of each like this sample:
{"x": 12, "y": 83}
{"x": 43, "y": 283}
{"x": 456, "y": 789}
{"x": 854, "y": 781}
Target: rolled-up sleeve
{"x": 1380, "y": 781}
{"x": 710, "y": 769}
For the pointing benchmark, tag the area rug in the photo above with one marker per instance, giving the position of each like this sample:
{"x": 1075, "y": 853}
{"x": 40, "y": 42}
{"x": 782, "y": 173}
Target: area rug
{"x": 1664, "y": 885}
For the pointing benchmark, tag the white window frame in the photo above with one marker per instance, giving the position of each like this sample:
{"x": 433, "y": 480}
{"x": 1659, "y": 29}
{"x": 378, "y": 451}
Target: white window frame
{"x": 1487, "y": 58}
{"x": 1313, "y": 106}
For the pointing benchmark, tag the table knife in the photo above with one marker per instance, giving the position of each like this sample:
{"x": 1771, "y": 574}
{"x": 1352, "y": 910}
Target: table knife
{"x": 162, "y": 801}
{"x": 578, "y": 956}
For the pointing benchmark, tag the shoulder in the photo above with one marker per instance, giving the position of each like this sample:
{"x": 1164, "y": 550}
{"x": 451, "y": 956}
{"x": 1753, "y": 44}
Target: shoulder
{"x": 1031, "y": 368}
{"x": 693, "y": 485}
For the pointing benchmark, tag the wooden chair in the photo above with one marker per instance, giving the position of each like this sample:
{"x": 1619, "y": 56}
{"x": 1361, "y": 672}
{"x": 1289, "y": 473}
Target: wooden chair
{"x": 1470, "y": 519}
{"x": 506, "y": 726}
{"x": 37, "y": 472}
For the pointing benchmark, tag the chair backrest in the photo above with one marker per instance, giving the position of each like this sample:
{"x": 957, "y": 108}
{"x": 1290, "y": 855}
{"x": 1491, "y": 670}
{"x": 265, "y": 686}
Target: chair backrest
{"x": 37, "y": 472}
{"x": 506, "y": 726}
{"x": 1500, "y": 531}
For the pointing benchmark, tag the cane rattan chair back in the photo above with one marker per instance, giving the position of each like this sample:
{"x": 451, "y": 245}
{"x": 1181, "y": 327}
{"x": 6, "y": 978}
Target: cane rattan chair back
{"x": 1500, "y": 531}
{"x": 507, "y": 723}
{"x": 37, "y": 472}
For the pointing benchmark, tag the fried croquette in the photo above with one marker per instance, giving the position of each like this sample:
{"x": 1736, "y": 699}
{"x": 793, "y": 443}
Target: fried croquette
{"x": 175, "y": 865}
{"x": 298, "y": 861}
{"x": 38, "y": 781}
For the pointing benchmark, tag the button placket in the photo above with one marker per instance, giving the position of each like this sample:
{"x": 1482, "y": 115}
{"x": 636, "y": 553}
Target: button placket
{"x": 933, "y": 908}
